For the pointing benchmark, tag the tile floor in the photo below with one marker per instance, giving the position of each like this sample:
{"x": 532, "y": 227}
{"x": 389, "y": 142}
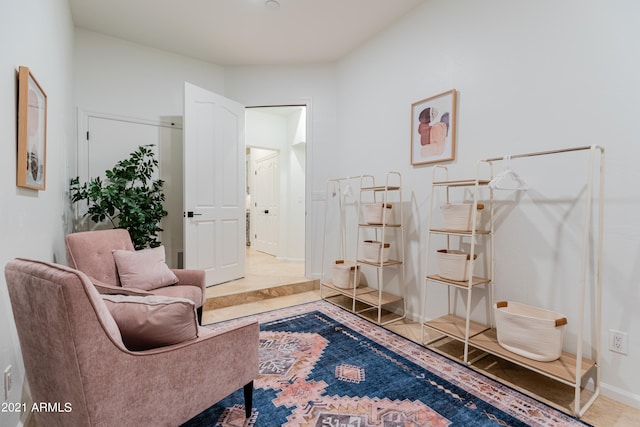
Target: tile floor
{"x": 264, "y": 271}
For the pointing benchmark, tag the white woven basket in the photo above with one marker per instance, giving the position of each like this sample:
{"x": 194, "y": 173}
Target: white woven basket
{"x": 343, "y": 274}
{"x": 371, "y": 251}
{"x": 457, "y": 216}
{"x": 373, "y": 213}
{"x": 529, "y": 331}
{"x": 454, "y": 265}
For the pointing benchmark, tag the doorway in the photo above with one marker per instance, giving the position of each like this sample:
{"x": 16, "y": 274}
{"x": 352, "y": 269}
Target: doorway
{"x": 276, "y": 170}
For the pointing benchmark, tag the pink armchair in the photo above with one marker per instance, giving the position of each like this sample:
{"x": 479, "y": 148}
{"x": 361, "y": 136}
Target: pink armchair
{"x": 91, "y": 253}
{"x": 74, "y": 355}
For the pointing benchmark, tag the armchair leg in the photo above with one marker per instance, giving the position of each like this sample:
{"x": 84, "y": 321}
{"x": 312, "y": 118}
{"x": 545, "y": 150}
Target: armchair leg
{"x": 248, "y": 399}
{"x": 199, "y": 314}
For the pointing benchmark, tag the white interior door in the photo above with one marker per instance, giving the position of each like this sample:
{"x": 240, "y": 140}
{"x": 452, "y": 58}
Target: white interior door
{"x": 214, "y": 185}
{"x": 109, "y": 139}
{"x": 266, "y": 198}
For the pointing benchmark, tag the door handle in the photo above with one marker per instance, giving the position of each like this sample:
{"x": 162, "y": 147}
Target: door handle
{"x": 266, "y": 211}
{"x": 190, "y": 214}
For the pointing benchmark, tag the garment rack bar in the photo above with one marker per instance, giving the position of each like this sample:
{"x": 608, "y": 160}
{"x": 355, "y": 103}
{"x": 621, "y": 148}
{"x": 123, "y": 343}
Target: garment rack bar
{"x": 544, "y": 153}
{"x": 347, "y": 178}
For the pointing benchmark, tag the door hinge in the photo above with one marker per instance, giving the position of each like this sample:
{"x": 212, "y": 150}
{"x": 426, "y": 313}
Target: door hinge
{"x": 87, "y": 135}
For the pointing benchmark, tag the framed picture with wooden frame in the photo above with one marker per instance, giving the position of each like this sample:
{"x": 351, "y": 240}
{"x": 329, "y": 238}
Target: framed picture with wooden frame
{"x": 32, "y": 132}
{"x": 433, "y": 129}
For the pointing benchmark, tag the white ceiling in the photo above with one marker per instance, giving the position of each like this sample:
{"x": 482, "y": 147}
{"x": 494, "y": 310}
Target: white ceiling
{"x": 244, "y": 32}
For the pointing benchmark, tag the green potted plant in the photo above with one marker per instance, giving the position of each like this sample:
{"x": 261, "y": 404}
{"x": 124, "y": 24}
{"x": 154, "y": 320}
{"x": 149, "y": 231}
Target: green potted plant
{"x": 130, "y": 197}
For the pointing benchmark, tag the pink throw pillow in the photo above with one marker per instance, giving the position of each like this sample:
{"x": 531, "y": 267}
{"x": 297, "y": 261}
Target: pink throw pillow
{"x": 152, "y": 321}
{"x": 145, "y": 269}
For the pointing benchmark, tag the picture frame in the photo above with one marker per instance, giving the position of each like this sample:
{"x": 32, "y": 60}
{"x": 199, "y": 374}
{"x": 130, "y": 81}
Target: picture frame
{"x": 433, "y": 129}
{"x": 31, "y": 165}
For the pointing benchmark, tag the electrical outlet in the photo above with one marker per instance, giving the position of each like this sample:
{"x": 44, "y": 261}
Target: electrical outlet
{"x": 618, "y": 341}
{"x": 7, "y": 382}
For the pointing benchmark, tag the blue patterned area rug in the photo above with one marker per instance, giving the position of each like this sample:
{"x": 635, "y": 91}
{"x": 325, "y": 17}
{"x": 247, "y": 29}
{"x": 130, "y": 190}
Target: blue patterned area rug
{"x": 322, "y": 366}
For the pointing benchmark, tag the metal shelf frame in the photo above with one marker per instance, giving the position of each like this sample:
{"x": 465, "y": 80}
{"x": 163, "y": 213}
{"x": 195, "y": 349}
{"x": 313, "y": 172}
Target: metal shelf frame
{"x": 461, "y": 329}
{"x": 580, "y": 367}
{"x": 372, "y": 298}
{"x": 372, "y": 193}
{"x": 572, "y": 368}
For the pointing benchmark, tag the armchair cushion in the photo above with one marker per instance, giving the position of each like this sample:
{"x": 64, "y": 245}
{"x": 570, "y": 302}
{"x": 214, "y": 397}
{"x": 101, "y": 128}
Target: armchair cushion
{"x": 144, "y": 269}
{"x": 152, "y": 321}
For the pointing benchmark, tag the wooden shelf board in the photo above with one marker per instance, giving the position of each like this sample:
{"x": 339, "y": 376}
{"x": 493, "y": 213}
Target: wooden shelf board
{"x": 341, "y": 301}
{"x": 385, "y": 317}
{"x": 363, "y": 310}
{"x": 377, "y": 264}
{"x": 349, "y": 292}
{"x": 476, "y": 281}
{"x": 544, "y": 389}
{"x": 458, "y": 232}
{"x": 563, "y": 369}
{"x": 371, "y": 298}
{"x": 454, "y": 326}
{"x": 381, "y": 188}
{"x": 461, "y": 183}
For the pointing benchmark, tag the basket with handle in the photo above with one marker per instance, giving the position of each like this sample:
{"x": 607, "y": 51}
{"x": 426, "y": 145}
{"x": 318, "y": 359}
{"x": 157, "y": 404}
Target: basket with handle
{"x": 532, "y": 332}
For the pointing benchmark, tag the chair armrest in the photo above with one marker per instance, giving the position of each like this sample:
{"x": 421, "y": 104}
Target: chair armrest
{"x": 200, "y": 372}
{"x": 190, "y": 277}
{"x": 105, "y": 288}
{"x": 244, "y": 333}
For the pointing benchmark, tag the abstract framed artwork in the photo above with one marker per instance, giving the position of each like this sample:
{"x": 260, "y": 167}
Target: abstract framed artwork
{"x": 433, "y": 129}
{"x": 32, "y": 132}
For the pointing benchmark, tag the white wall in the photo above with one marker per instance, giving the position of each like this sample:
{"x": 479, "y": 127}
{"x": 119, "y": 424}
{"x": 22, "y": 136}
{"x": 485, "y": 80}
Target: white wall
{"x": 38, "y": 35}
{"x": 117, "y": 77}
{"x": 531, "y": 76}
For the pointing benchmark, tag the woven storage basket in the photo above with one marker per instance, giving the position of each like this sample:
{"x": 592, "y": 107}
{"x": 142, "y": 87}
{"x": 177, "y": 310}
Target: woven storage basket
{"x": 457, "y": 216}
{"x": 371, "y": 251}
{"x": 343, "y": 274}
{"x": 454, "y": 265}
{"x": 373, "y": 213}
{"x": 529, "y": 331}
